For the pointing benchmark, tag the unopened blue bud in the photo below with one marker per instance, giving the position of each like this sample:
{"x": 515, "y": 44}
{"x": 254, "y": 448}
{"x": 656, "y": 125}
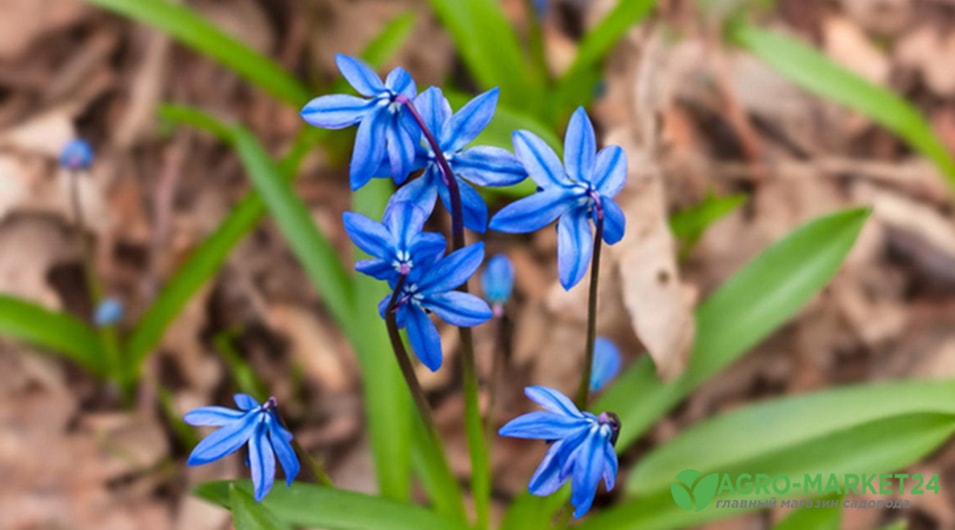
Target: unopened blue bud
{"x": 109, "y": 312}
{"x": 606, "y": 363}
{"x": 76, "y": 155}
{"x": 497, "y": 280}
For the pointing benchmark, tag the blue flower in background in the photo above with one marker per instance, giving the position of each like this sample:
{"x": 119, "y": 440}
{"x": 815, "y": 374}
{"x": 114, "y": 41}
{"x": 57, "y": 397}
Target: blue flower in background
{"x": 581, "y": 446}
{"x": 578, "y": 191}
{"x": 255, "y": 424}
{"x": 606, "y": 363}
{"x": 498, "y": 282}
{"x": 76, "y": 155}
{"x": 429, "y": 289}
{"x": 482, "y": 165}
{"x": 397, "y": 243}
{"x": 108, "y": 312}
{"x": 382, "y": 136}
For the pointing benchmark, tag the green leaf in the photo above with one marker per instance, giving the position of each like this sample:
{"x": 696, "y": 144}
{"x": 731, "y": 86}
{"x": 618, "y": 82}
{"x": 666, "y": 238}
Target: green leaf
{"x": 250, "y": 515}
{"x": 58, "y": 332}
{"x": 689, "y": 224}
{"x": 332, "y": 509}
{"x": 812, "y": 518}
{"x": 576, "y": 86}
{"x": 815, "y": 72}
{"x": 860, "y": 429}
{"x": 198, "y": 33}
{"x": 742, "y": 312}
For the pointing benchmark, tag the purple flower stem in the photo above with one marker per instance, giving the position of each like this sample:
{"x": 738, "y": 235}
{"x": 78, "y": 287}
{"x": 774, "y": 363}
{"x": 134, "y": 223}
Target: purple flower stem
{"x": 583, "y": 391}
{"x": 474, "y": 425}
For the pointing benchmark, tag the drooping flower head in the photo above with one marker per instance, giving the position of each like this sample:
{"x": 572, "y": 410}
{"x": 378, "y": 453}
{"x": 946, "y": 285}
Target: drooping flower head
{"x": 382, "y": 137}
{"x": 397, "y": 243}
{"x": 497, "y": 280}
{"x": 430, "y": 289}
{"x": 606, "y": 363}
{"x": 76, "y": 155}
{"x": 255, "y": 424}
{"x": 481, "y": 165}
{"x": 581, "y": 446}
{"x": 577, "y": 191}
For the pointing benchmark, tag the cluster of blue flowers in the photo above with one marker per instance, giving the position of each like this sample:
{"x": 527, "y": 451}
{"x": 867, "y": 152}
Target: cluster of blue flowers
{"x": 403, "y": 133}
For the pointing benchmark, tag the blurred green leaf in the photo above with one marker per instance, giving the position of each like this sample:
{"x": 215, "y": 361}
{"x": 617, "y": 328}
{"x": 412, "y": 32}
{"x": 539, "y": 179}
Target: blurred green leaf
{"x": 742, "y": 312}
{"x": 333, "y": 509}
{"x": 868, "y": 429}
{"x": 815, "y": 72}
{"x": 250, "y": 515}
{"x": 813, "y": 518}
{"x": 198, "y": 33}
{"x": 688, "y": 225}
{"x": 58, "y": 332}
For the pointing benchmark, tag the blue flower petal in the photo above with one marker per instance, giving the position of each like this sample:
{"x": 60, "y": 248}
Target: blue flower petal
{"x": 539, "y": 160}
{"x": 434, "y": 110}
{"x": 488, "y": 166}
{"x": 497, "y": 280}
{"x": 401, "y": 151}
{"x": 262, "y": 462}
{"x": 614, "y": 221}
{"x": 245, "y": 401}
{"x": 552, "y": 400}
{"x": 422, "y": 191}
{"x": 610, "y": 171}
{"x": 401, "y": 82}
{"x": 369, "y": 235}
{"x": 336, "y": 111}
{"x": 427, "y": 249}
{"x": 369, "y": 148}
{"x": 459, "y": 309}
{"x": 575, "y": 243}
{"x": 279, "y": 439}
{"x": 225, "y": 440}
{"x": 588, "y": 470}
{"x": 405, "y": 220}
{"x": 359, "y": 75}
{"x": 543, "y": 426}
{"x": 473, "y": 207}
{"x": 424, "y": 338}
{"x": 453, "y": 270}
{"x": 468, "y": 122}
{"x": 606, "y": 363}
{"x": 212, "y": 416}
{"x": 533, "y": 212}
{"x": 546, "y": 479}
{"x": 610, "y": 465}
{"x": 376, "y": 268}
{"x": 580, "y": 146}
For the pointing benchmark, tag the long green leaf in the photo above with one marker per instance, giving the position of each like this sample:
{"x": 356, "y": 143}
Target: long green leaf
{"x": 812, "y": 519}
{"x": 198, "y": 33}
{"x": 815, "y": 72}
{"x": 743, "y": 311}
{"x": 250, "y": 515}
{"x": 58, "y": 332}
{"x": 332, "y": 509}
{"x": 863, "y": 429}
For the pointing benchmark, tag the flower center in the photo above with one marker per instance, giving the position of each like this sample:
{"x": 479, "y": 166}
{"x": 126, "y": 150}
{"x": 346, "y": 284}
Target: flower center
{"x": 609, "y": 425}
{"x": 403, "y": 262}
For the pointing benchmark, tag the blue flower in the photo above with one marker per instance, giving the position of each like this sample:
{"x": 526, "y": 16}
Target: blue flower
{"x": 108, "y": 312}
{"x": 581, "y": 446}
{"x": 580, "y": 189}
{"x": 255, "y": 424}
{"x": 606, "y": 363}
{"x": 498, "y": 281}
{"x": 397, "y": 244}
{"x": 429, "y": 289}
{"x": 76, "y": 155}
{"x": 482, "y": 165}
{"x": 383, "y": 136}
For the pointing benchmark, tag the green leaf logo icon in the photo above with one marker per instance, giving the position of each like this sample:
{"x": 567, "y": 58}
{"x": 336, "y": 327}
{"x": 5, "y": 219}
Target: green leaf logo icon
{"x": 692, "y": 492}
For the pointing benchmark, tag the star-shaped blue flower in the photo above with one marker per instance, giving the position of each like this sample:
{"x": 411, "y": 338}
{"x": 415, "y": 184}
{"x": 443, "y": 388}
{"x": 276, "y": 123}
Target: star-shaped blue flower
{"x": 397, "y": 244}
{"x": 481, "y": 165}
{"x": 382, "y": 136}
{"x": 255, "y": 424}
{"x": 430, "y": 289}
{"x": 578, "y": 191}
{"x": 581, "y": 446}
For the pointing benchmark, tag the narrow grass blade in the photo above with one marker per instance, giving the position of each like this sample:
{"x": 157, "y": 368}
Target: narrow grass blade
{"x": 198, "y": 33}
{"x": 815, "y": 72}
{"x": 58, "y": 332}
{"x": 250, "y": 515}
{"x": 314, "y": 506}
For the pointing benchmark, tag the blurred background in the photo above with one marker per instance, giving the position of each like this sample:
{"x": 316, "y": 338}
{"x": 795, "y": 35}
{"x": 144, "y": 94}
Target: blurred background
{"x": 734, "y": 138}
